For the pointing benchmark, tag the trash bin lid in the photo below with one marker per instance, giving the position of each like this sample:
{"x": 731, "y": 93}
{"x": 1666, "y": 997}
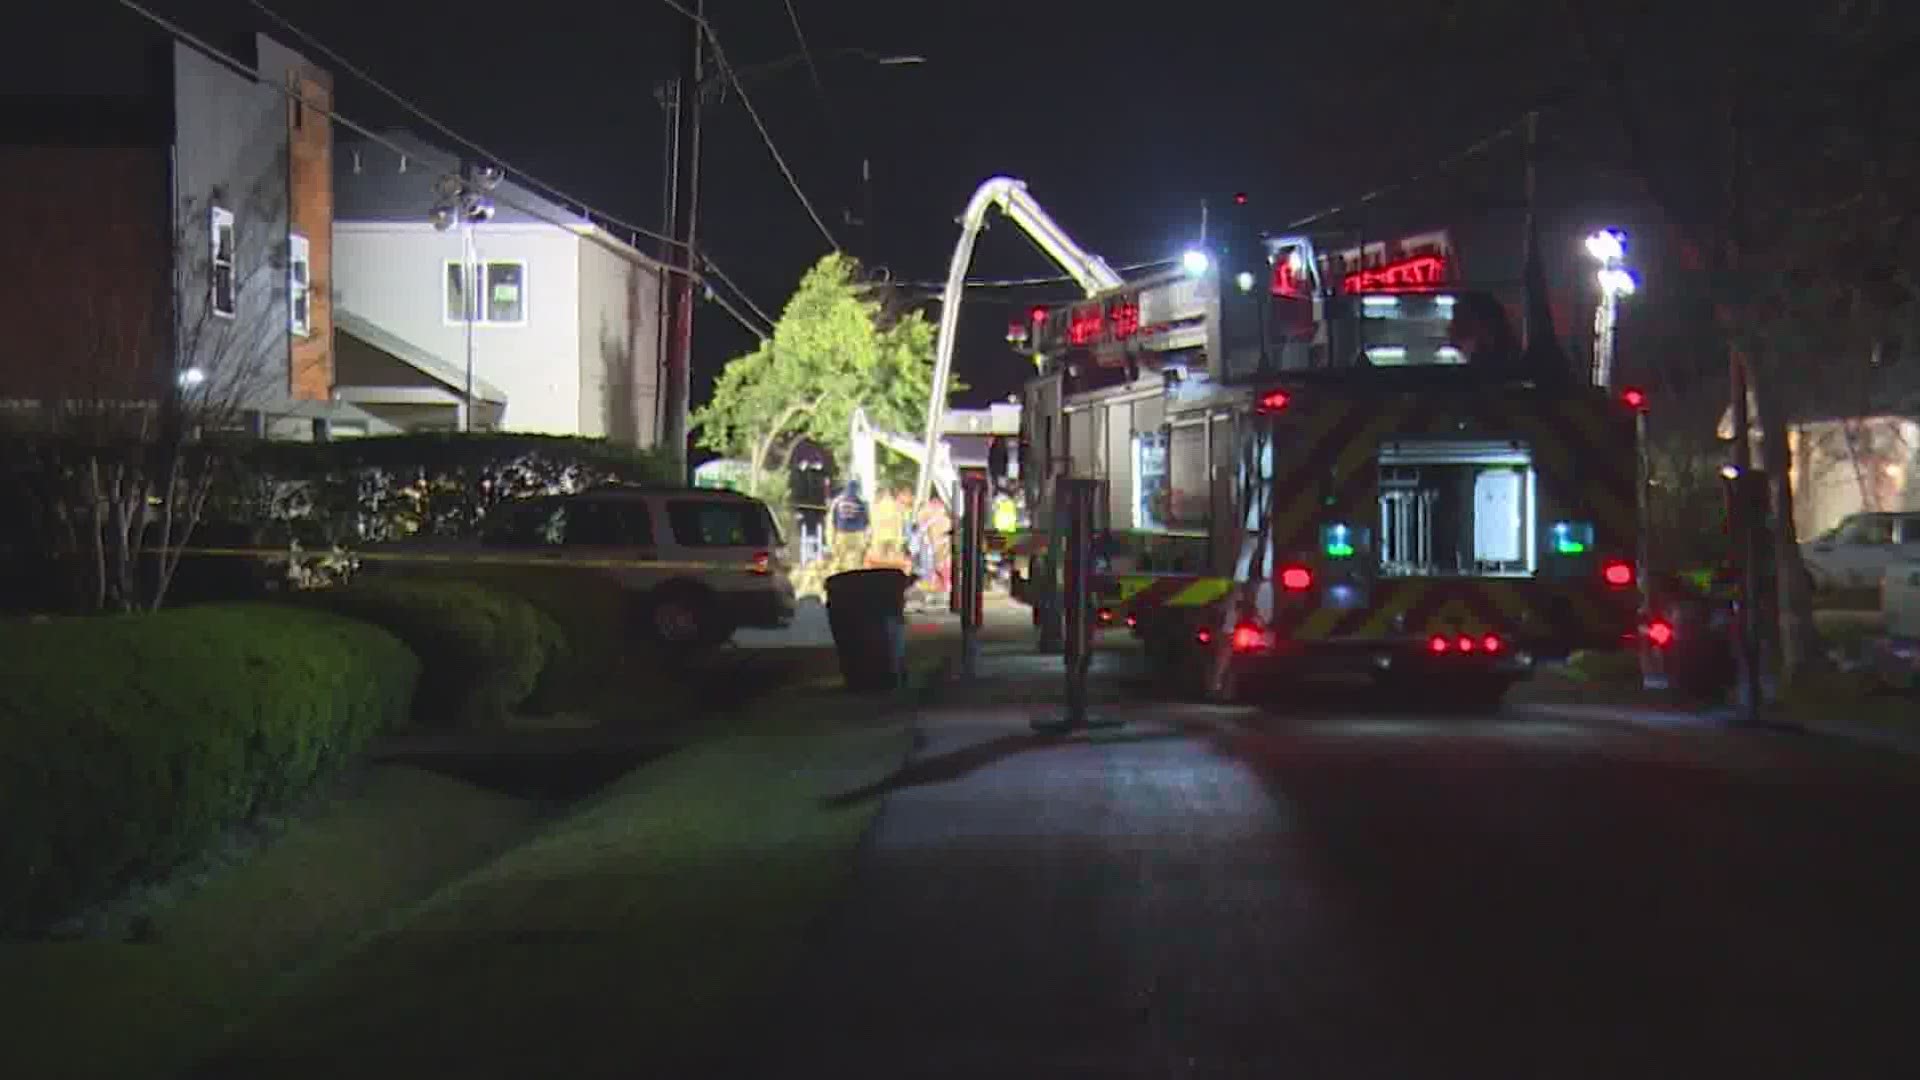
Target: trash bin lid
{"x": 884, "y": 588}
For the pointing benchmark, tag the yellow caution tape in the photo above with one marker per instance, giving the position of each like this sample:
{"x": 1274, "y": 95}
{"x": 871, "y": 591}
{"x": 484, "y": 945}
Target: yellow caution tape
{"x": 475, "y": 559}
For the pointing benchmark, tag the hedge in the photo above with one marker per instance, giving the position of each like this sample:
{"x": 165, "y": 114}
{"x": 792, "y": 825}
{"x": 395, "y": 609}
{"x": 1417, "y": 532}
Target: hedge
{"x": 482, "y": 649}
{"x": 127, "y": 742}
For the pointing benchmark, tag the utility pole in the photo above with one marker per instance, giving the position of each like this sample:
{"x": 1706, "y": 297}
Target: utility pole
{"x": 685, "y": 150}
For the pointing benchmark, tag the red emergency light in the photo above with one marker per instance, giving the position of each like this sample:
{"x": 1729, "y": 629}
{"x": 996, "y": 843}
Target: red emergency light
{"x": 1416, "y": 274}
{"x": 1248, "y": 637}
{"x": 1287, "y": 281}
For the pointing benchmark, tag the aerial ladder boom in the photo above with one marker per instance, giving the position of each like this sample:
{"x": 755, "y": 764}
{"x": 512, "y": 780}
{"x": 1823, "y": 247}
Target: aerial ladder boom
{"x": 1090, "y": 271}
{"x": 866, "y": 439}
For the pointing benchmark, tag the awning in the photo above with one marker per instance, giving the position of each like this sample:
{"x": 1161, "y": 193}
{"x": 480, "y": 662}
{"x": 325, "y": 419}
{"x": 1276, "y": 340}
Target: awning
{"x": 448, "y": 382}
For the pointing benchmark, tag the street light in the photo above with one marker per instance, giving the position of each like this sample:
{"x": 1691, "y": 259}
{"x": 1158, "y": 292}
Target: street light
{"x": 1608, "y": 248}
{"x": 463, "y": 200}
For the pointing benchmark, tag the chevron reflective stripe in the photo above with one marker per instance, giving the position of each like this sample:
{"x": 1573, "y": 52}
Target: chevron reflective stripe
{"x": 1200, "y": 593}
{"x": 1583, "y": 446}
{"x": 1526, "y": 610}
{"x": 1308, "y": 438}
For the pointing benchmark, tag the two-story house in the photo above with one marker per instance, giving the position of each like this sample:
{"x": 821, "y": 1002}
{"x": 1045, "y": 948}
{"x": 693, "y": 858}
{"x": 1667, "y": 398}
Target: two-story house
{"x": 557, "y": 335}
{"x": 179, "y": 242}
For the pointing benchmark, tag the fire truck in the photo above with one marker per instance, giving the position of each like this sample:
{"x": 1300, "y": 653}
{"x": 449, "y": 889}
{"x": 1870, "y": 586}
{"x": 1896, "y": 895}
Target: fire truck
{"x": 1304, "y": 476}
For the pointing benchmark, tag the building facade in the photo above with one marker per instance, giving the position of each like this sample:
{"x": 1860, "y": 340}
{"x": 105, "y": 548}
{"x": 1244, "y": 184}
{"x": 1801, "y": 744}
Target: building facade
{"x": 183, "y": 239}
{"x": 558, "y": 337}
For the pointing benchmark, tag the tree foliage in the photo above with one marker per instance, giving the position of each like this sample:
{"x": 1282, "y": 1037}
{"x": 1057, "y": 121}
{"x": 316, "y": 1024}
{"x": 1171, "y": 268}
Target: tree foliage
{"x": 1772, "y": 142}
{"x": 839, "y": 345}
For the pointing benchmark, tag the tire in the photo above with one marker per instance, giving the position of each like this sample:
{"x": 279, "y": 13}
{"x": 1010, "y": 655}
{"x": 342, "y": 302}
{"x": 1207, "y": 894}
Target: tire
{"x": 683, "y": 619}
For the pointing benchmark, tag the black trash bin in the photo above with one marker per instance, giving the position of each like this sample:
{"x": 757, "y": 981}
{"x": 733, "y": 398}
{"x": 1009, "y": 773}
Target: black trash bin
{"x": 867, "y": 610}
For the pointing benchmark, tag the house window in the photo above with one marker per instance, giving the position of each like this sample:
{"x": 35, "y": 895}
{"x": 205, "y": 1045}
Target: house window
{"x": 503, "y": 301}
{"x": 299, "y": 277}
{"x": 224, "y": 284}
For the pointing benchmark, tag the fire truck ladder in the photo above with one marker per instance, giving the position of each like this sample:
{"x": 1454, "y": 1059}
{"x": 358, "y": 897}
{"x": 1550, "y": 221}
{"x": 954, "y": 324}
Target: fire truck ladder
{"x": 1090, "y": 271}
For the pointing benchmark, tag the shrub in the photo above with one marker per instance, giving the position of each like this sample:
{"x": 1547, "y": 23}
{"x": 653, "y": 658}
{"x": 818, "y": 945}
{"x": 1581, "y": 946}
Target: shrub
{"x": 128, "y": 741}
{"x": 482, "y": 649}
{"x": 599, "y": 640}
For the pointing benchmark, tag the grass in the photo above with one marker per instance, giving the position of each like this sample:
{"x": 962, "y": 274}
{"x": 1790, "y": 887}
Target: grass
{"x": 398, "y": 918}
{"x": 619, "y": 937}
{"x": 114, "y": 1009}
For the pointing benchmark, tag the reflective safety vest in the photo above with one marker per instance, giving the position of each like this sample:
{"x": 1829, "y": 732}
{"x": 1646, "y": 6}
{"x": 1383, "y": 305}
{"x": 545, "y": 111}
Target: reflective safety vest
{"x": 1006, "y": 515}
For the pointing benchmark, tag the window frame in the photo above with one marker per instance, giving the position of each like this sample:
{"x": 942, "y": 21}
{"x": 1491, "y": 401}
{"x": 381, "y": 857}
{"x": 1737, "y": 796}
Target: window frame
{"x": 752, "y": 515}
{"x": 299, "y": 285}
{"x": 450, "y": 318}
{"x": 219, "y": 217}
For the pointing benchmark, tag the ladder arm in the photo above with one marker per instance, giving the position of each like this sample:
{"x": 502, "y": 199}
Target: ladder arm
{"x": 1010, "y": 196}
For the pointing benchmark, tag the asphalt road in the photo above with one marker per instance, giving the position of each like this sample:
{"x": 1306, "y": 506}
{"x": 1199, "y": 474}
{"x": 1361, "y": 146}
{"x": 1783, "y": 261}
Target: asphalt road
{"x": 1368, "y": 891}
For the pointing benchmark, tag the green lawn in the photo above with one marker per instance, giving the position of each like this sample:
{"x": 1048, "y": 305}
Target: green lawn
{"x": 112, "y": 1010}
{"x": 417, "y": 917}
{"x": 621, "y": 935}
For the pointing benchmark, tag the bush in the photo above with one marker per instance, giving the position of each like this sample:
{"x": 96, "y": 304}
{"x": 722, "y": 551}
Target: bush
{"x": 128, "y": 741}
{"x": 482, "y": 649}
{"x": 599, "y": 641}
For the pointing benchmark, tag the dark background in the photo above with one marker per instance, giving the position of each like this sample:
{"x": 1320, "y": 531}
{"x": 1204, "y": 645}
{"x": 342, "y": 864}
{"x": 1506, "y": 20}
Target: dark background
{"x": 1122, "y": 120}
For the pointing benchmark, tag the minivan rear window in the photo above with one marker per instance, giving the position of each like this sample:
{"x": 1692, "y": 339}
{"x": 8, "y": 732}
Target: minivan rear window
{"x": 712, "y": 523}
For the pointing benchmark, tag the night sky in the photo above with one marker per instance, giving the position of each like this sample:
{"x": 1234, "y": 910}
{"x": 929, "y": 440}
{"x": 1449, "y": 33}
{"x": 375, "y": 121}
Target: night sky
{"x": 1122, "y": 119}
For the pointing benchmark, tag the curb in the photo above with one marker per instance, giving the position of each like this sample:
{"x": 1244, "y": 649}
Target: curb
{"x": 1724, "y": 720}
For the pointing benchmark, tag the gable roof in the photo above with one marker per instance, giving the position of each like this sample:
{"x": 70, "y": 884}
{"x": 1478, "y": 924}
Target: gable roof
{"x": 375, "y": 182}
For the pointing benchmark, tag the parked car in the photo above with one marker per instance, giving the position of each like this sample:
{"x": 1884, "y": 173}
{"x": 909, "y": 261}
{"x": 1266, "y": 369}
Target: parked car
{"x": 1857, "y": 553}
{"x": 1897, "y": 657}
{"x": 699, "y": 563}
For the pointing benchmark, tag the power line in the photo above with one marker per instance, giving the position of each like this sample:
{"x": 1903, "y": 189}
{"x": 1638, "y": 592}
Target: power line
{"x": 1031, "y": 282}
{"x": 186, "y": 37}
{"x": 524, "y": 177}
{"x": 1472, "y": 150}
{"x": 826, "y": 103}
{"x": 726, "y": 69}
{"x": 714, "y": 269}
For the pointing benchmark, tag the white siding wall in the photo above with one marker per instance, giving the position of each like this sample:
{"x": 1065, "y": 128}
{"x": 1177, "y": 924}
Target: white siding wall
{"x": 619, "y": 362}
{"x": 394, "y": 274}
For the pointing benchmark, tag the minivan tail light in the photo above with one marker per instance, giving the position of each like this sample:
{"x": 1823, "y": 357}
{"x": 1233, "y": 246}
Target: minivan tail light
{"x": 762, "y": 563}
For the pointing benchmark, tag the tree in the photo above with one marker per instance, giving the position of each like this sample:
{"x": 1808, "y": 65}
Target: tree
{"x": 1768, "y": 141}
{"x": 839, "y": 344}
{"x": 117, "y": 447}
{"x": 1805, "y": 237}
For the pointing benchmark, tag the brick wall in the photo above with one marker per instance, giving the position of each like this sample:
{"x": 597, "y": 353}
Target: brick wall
{"x": 310, "y": 182}
{"x": 87, "y": 313}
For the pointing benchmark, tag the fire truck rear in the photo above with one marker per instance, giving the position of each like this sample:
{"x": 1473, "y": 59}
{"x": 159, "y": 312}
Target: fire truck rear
{"x": 1304, "y": 475}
